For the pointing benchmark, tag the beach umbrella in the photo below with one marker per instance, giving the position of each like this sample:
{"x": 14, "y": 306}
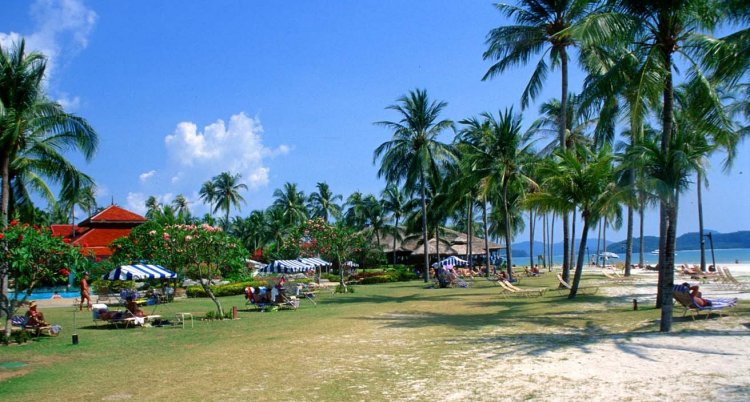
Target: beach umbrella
{"x": 452, "y": 261}
{"x": 139, "y": 272}
{"x": 609, "y": 255}
{"x": 287, "y": 267}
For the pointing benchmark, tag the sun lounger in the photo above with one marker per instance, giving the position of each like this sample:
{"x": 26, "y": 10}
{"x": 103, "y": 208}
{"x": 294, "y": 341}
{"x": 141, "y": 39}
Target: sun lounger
{"x": 681, "y": 294}
{"x": 528, "y": 292}
{"x": 733, "y": 282}
{"x": 581, "y": 289}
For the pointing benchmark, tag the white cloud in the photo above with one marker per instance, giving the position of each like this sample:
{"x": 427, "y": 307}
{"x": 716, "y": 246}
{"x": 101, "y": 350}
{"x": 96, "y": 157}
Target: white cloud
{"x": 236, "y": 147}
{"x": 136, "y": 202}
{"x": 69, "y": 104}
{"x": 145, "y": 176}
{"x": 61, "y": 29}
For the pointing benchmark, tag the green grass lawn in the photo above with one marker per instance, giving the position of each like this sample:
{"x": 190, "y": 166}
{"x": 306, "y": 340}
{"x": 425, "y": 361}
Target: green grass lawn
{"x": 360, "y": 346}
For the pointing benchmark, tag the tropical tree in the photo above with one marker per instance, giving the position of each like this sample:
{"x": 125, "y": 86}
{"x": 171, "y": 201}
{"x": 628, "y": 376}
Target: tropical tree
{"x": 414, "y": 153}
{"x": 182, "y": 207}
{"x": 394, "y": 202}
{"x": 499, "y": 155}
{"x": 227, "y": 193}
{"x": 291, "y": 204}
{"x": 579, "y": 178}
{"x": 152, "y": 207}
{"x": 660, "y": 31}
{"x": 542, "y": 26}
{"x": 322, "y": 203}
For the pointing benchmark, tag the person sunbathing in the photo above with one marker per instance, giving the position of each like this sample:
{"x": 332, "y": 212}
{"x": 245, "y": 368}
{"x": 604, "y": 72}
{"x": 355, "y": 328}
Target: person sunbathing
{"x": 697, "y": 296}
{"x": 132, "y": 307}
{"x": 35, "y": 317}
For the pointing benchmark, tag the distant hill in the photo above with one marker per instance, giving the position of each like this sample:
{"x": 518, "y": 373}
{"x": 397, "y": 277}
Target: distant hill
{"x": 687, "y": 241}
{"x": 691, "y": 241}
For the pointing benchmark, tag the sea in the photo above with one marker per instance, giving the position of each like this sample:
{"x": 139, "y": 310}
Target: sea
{"x": 722, "y": 256}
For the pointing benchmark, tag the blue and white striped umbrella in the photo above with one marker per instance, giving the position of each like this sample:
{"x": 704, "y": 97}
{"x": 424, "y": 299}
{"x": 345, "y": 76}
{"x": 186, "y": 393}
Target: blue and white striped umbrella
{"x": 452, "y": 260}
{"x": 316, "y": 262}
{"x": 287, "y": 267}
{"x": 139, "y": 272}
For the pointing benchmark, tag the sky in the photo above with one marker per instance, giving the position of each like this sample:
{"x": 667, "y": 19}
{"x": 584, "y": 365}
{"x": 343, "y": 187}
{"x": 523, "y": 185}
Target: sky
{"x": 179, "y": 92}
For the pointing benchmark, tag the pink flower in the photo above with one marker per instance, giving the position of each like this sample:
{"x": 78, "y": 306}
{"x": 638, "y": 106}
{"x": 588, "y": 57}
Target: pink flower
{"x": 152, "y": 233}
{"x": 188, "y": 238}
{"x": 165, "y": 236}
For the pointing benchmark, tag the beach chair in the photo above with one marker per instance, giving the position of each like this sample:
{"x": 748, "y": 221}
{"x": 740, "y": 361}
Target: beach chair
{"x": 592, "y": 290}
{"x": 528, "y": 292}
{"x": 681, "y": 294}
{"x": 733, "y": 282}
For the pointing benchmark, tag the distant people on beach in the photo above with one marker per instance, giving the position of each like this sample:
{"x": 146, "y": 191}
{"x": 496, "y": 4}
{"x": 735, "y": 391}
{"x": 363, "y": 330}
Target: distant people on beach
{"x": 56, "y": 295}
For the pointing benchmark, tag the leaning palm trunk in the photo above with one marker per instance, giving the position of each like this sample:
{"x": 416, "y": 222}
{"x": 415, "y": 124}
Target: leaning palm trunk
{"x": 579, "y": 262}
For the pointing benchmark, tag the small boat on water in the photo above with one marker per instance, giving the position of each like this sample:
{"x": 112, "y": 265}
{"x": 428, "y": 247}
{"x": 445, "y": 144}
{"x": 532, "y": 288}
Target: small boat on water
{"x": 655, "y": 252}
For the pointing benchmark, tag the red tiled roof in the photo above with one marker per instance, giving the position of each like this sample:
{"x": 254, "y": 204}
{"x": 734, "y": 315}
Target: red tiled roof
{"x": 113, "y": 213}
{"x": 97, "y": 237}
{"x": 65, "y": 230}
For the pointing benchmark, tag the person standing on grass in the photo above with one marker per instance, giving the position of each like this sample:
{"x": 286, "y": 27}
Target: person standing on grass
{"x": 85, "y": 292}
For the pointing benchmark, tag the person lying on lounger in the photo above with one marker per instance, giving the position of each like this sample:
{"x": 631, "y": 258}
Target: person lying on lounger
{"x": 132, "y": 307}
{"x": 697, "y": 295}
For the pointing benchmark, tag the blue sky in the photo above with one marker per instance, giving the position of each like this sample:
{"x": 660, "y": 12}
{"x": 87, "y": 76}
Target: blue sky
{"x": 278, "y": 91}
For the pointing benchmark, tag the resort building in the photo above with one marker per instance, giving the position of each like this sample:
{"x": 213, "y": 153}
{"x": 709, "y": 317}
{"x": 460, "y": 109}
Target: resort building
{"x": 410, "y": 250}
{"x": 97, "y": 232}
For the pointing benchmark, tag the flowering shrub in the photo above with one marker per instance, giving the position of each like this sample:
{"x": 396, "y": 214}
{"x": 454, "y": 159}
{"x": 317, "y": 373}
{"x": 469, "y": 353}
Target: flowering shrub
{"x": 30, "y": 256}
{"x": 202, "y": 251}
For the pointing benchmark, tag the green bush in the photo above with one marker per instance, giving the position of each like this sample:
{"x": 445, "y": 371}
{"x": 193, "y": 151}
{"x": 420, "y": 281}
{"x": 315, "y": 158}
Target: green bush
{"x": 103, "y": 286}
{"x": 370, "y": 280}
{"x": 21, "y": 337}
{"x": 331, "y": 277}
{"x": 230, "y": 289}
{"x": 344, "y": 289}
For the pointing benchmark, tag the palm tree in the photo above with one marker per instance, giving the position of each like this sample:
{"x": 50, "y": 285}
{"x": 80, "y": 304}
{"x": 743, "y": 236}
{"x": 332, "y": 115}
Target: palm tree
{"x": 152, "y": 207}
{"x": 354, "y": 216}
{"x": 258, "y": 229}
{"x": 291, "y": 203}
{"x": 414, "y": 153}
{"x": 181, "y": 206}
{"x": 322, "y": 203}
{"x": 583, "y": 178}
{"x": 542, "y": 26}
{"x": 394, "y": 202}
{"x": 226, "y": 193}
{"x": 207, "y": 193}
{"x": 499, "y": 154}
{"x": 34, "y": 129}
{"x": 660, "y": 31}
{"x": 374, "y": 215}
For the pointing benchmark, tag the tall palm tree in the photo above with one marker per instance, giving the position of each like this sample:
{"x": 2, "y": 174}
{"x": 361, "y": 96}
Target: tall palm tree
{"x": 258, "y": 229}
{"x": 542, "y": 26}
{"x": 322, "y": 203}
{"x": 374, "y": 214}
{"x": 499, "y": 154}
{"x": 207, "y": 193}
{"x": 34, "y": 129}
{"x": 414, "y": 153}
{"x": 660, "y": 31}
{"x": 394, "y": 202}
{"x": 291, "y": 203}
{"x": 354, "y": 216}
{"x": 227, "y": 193}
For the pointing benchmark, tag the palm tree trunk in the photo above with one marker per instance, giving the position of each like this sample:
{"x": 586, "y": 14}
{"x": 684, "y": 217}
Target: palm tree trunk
{"x": 641, "y": 218}
{"x": 566, "y": 245}
{"x": 668, "y": 271}
{"x": 4, "y": 266}
{"x": 551, "y": 240}
{"x": 486, "y": 237}
{"x": 424, "y": 226}
{"x": 531, "y": 238}
{"x": 468, "y": 233}
{"x": 581, "y": 251}
{"x": 629, "y": 242}
{"x": 544, "y": 239}
{"x": 598, "y": 244}
{"x": 508, "y": 234}
{"x": 562, "y": 122}
{"x": 437, "y": 242}
{"x": 395, "y": 233}
{"x": 666, "y": 136}
{"x": 604, "y": 240}
{"x": 700, "y": 222}
{"x": 572, "y": 237}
